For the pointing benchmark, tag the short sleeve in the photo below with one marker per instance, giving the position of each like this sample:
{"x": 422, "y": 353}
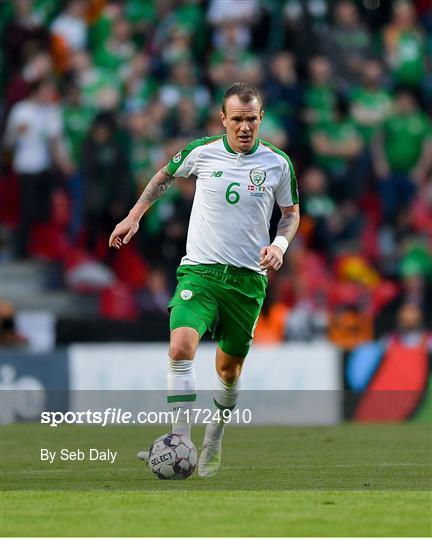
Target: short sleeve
{"x": 185, "y": 162}
{"x": 287, "y": 190}
{"x": 17, "y": 116}
{"x": 54, "y": 124}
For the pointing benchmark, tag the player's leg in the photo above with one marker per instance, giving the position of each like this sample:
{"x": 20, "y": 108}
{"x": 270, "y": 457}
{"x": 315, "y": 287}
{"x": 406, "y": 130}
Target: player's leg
{"x": 181, "y": 380}
{"x": 239, "y": 302}
{"x": 192, "y": 311}
{"x": 228, "y": 370}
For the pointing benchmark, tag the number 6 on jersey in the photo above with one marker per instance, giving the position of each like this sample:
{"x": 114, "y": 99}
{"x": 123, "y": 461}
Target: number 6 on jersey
{"x": 231, "y": 196}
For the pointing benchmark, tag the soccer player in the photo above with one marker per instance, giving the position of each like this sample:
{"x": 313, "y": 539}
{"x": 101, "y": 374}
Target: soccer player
{"x": 222, "y": 278}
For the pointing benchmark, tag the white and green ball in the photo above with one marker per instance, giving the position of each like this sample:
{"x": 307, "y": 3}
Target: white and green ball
{"x": 172, "y": 457}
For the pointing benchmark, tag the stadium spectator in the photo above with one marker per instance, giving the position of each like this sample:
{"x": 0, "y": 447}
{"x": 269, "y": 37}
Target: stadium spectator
{"x": 232, "y": 60}
{"x": 186, "y": 120}
{"x": 410, "y": 324}
{"x": 416, "y": 290}
{"x": 108, "y": 185}
{"x": 154, "y": 297}
{"x": 23, "y": 35}
{"x": 347, "y": 42}
{"x": 142, "y": 148}
{"x": 220, "y": 12}
{"x": 404, "y": 45}
{"x": 18, "y": 87}
{"x": 118, "y": 49}
{"x": 182, "y": 84}
{"x": 283, "y": 92}
{"x": 303, "y": 22}
{"x": 140, "y": 85}
{"x": 336, "y": 144}
{"x": 100, "y": 88}
{"x": 402, "y": 153}
{"x": 173, "y": 43}
{"x": 77, "y": 118}
{"x": 35, "y": 134}
{"x": 318, "y": 207}
{"x": 9, "y": 337}
{"x": 319, "y": 96}
{"x": 70, "y": 25}
{"x": 370, "y": 102}
{"x": 176, "y": 226}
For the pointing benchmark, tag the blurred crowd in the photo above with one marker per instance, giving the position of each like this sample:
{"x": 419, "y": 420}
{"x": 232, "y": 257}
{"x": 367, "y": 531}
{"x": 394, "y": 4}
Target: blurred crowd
{"x": 98, "y": 94}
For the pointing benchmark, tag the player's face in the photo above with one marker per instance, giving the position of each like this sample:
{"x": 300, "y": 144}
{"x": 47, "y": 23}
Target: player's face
{"x": 242, "y": 121}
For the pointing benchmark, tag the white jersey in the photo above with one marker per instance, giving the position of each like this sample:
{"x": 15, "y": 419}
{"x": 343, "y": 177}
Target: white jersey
{"x": 234, "y": 199}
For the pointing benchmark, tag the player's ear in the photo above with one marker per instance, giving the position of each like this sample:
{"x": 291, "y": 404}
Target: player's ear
{"x": 261, "y": 115}
{"x": 223, "y": 118}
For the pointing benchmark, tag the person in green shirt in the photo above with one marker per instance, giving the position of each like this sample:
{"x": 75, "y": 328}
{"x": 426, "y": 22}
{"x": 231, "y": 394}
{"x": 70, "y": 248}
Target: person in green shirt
{"x": 100, "y": 88}
{"x": 336, "y": 145}
{"x": 402, "y": 153}
{"x": 370, "y": 102}
{"x": 142, "y": 145}
{"x": 404, "y": 45}
{"x": 119, "y": 49}
{"x": 77, "y": 119}
{"x": 139, "y": 86}
{"x": 319, "y": 96}
{"x": 141, "y": 15}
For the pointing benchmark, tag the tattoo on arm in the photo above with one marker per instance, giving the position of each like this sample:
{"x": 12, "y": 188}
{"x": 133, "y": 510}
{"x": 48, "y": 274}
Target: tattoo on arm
{"x": 288, "y": 226}
{"x": 158, "y": 185}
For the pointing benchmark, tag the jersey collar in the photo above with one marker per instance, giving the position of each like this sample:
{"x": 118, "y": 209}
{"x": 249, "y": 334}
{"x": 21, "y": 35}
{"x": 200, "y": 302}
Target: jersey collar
{"x": 231, "y": 151}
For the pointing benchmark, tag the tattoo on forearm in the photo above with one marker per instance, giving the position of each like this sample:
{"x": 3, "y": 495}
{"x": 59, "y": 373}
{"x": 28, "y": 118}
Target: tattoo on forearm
{"x": 158, "y": 185}
{"x": 288, "y": 226}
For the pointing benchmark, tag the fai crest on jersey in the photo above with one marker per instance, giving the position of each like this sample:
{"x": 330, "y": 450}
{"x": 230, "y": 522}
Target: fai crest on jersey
{"x": 177, "y": 157}
{"x": 257, "y": 176}
{"x": 186, "y": 294}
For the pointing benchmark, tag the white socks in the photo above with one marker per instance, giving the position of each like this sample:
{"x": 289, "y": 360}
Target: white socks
{"x": 225, "y": 397}
{"x": 181, "y": 385}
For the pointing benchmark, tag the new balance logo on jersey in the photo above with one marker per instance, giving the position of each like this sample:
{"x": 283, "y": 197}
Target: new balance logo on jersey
{"x": 218, "y": 174}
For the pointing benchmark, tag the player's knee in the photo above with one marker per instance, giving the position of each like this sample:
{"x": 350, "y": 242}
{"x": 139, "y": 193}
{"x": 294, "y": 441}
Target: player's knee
{"x": 181, "y": 349}
{"x": 229, "y": 374}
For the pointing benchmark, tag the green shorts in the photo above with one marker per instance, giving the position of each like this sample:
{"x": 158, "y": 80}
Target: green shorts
{"x": 222, "y": 299}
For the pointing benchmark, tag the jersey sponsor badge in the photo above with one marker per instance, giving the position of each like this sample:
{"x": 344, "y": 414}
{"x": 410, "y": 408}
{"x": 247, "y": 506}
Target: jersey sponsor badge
{"x": 186, "y": 294}
{"x": 177, "y": 157}
{"x": 257, "y": 176}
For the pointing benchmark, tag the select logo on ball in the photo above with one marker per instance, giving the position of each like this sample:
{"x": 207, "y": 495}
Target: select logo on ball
{"x": 172, "y": 456}
{"x": 186, "y": 294}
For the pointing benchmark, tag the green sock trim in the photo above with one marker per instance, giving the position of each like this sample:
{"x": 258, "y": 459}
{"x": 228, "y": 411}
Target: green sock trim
{"x": 188, "y": 397}
{"x": 223, "y": 407}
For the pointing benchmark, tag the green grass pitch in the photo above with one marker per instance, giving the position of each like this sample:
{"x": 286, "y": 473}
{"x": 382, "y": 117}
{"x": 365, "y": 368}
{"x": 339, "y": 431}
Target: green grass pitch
{"x": 346, "y": 480}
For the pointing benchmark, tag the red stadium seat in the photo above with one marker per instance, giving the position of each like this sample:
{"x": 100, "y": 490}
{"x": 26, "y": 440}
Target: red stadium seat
{"x": 118, "y": 302}
{"x": 130, "y": 267}
{"x": 48, "y": 242}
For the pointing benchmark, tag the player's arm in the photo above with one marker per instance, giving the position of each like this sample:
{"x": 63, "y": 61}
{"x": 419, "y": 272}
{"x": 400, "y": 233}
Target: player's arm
{"x": 271, "y": 257}
{"x": 158, "y": 185}
{"x": 379, "y": 158}
{"x": 424, "y": 163}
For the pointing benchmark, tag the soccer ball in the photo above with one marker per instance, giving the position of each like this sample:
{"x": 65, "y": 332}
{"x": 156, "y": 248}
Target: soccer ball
{"x": 172, "y": 457}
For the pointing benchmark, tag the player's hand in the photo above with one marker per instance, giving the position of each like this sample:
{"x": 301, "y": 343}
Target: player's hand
{"x": 123, "y": 232}
{"x": 271, "y": 258}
